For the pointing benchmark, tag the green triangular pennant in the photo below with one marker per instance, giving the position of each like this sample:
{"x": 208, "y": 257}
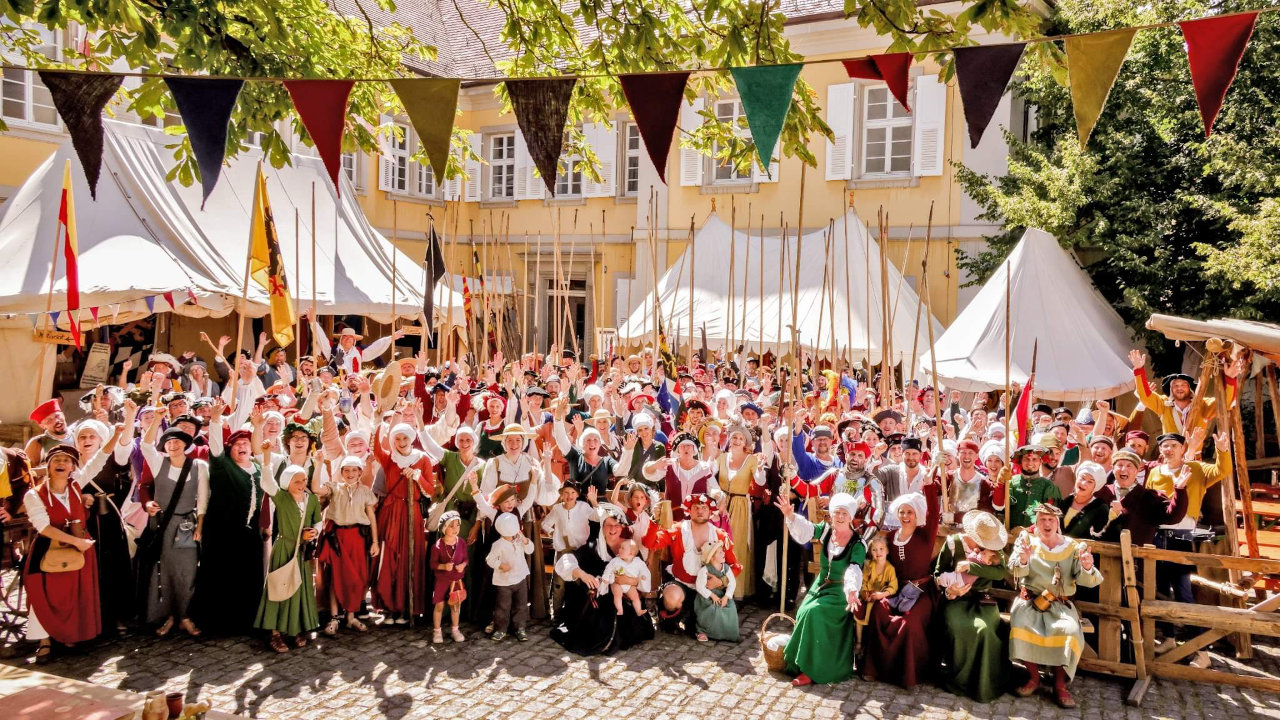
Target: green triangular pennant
{"x": 431, "y": 104}
{"x": 766, "y": 97}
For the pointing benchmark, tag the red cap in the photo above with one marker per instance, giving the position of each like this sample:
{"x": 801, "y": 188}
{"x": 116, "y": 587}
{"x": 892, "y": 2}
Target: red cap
{"x": 970, "y": 444}
{"x": 46, "y": 409}
{"x": 858, "y": 446}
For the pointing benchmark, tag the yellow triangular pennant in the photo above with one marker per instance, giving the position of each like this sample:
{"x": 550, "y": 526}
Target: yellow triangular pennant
{"x": 1093, "y": 62}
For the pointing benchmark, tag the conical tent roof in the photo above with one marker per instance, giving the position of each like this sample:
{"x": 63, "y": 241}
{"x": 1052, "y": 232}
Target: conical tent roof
{"x": 1083, "y": 342}
{"x": 755, "y": 311}
{"x": 145, "y": 236}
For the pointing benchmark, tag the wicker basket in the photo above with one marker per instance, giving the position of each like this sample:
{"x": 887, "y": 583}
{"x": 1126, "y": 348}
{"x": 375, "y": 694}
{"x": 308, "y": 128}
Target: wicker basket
{"x": 772, "y": 657}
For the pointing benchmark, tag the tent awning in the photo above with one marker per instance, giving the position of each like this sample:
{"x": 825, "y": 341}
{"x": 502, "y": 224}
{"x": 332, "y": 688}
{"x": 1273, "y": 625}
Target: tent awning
{"x": 1083, "y": 343}
{"x": 753, "y": 312}
{"x": 1261, "y": 337}
{"x": 145, "y": 236}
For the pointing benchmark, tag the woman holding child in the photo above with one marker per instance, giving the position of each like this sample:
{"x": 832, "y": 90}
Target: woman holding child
{"x": 970, "y": 562}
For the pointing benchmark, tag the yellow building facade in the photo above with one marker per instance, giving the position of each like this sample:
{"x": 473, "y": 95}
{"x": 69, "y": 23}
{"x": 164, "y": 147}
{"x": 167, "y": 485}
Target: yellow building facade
{"x": 883, "y": 158}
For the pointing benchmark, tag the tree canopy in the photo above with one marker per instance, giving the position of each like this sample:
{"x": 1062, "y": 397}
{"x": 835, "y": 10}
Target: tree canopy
{"x": 307, "y": 38}
{"x": 1164, "y": 219}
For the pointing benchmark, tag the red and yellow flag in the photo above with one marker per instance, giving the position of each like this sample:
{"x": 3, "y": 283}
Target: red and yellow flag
{"x": 71, "y": 252}
{"x": 466, "y": 301}
{"x": 266, "y": 265}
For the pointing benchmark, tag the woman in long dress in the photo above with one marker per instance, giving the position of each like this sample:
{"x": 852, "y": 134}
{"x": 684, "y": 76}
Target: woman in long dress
{"x": 409, "y": 479}
{"x": 229, "y": 584}
{"x": 821, "y": 649}
{"x": 737, "y": 476}
{"x": 298, "y": 520}
{"x": 584, "y": 626}
{"x": 973, "y": 650}
{"x": 896, "y": 644}
{"x": 108, "y": 477}
{"x": 64, "y": 605}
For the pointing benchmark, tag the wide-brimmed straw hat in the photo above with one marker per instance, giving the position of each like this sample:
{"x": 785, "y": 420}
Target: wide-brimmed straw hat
{"x": 983, "y": 528}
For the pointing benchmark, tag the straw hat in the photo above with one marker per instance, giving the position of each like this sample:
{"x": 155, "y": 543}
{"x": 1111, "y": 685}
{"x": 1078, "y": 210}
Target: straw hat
{"x": 983, "y": 528}
{"x": 709, "y": 549}
{"x": 386, "y": 387}
{"x": 349, "y": 332}
{"x": 514, "y": 430}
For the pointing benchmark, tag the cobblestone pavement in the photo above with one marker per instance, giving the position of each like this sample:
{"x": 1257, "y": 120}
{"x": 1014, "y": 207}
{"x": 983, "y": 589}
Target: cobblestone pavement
{"x": 397, "y": 673}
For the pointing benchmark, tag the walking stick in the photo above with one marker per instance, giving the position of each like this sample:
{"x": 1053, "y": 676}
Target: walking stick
{"x": 409, "y": 528}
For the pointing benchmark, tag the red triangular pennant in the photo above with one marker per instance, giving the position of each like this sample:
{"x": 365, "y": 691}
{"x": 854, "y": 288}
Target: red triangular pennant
{"x": 892, "y": 68}
{"x": 192, "y": 294}
{"x": 655, "y": 105}
{"x": 168, "y": 297}
{"x": 1214, "y": 48}
{"x": 94, "y": 312}
{"x": 322, "y": 105}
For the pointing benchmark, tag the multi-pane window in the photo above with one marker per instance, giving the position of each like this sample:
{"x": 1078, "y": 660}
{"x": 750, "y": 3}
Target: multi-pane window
{"x": 886, "y": 134}
{"x": 502, "y": 166}
{"x": 631, "y": 160}
{"x": 730, "y": 112}
{"x": 350, "y": 165}
{"x": 399, "y": 159}
{"x": 24, "y": 97}
{"x": 568, "y": 177}
{"x": 426, "y": 180}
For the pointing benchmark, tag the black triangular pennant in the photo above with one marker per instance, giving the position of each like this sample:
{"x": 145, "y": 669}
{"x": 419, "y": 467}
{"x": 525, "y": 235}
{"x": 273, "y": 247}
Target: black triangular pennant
{"x": 655, "y": 105}
{"x": 433, "y": 263}
{"x": 541, "y": 108}
{"x": 79, "y": 98}
{"x": 205, "y": 105}
{"x": 982, "y": 74}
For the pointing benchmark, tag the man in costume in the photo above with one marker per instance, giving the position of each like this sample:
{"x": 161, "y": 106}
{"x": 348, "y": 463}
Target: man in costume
{"x": 49, "y": 416}
{"x": 684, "y": 542}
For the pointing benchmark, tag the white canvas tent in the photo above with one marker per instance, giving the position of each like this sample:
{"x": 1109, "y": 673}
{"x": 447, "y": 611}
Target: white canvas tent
{"x": 755, "y": 310}
{"x": 145, "y": 236}
{"x": 1083, "y": 342}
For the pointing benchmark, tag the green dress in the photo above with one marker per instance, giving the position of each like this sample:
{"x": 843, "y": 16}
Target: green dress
{"x": 822, "y": 643}
{"x": 719, "y": 623}
{"x": 974, "y": 647}
{"x": 297, "y": 614}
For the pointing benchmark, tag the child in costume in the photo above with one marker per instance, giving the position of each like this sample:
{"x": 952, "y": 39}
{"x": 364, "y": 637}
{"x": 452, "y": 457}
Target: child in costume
{"x": 879, "y": 581}
{"x": 449, "y": 560}
{"x": 716, "y": 612}
{"x": 510, "y": 578}
{"x": 627, "y": 563}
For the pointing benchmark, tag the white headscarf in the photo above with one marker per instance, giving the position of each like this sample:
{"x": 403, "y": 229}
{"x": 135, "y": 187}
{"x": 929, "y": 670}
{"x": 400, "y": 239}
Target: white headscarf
{"x": 843, "y": 500}
{"x": 917, "y": 503}
{"x": 1093, "y": 470}
{"x": 99, "y": 428}
{"x": 404, "y": 460}
{"x": 288, "y": 474}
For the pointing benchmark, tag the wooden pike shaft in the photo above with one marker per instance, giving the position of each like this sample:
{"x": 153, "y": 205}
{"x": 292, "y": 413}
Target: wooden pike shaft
{"x": 1008, "y": 317}
{"x": 693, "y": 269}
{"x": 933, "y": 361}
{"x": 733, "y": 236}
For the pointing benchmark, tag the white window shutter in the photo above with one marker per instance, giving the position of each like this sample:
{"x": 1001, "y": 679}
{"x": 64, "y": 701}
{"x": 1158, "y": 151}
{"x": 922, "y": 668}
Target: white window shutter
{"x": 759, "y": 175}
{"x": 840, "y": 103}
{"x": 529, "y": 186}
{"x": 471, "y": 188}
{"x": 691, "y": 160}
{"x": 930, "y": 114}
{"x": 386, "y": 170}
{"x": 604, "y": 142}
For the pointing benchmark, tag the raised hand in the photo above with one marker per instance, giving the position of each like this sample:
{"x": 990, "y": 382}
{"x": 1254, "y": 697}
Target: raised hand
{"x": 1137, "y": 359}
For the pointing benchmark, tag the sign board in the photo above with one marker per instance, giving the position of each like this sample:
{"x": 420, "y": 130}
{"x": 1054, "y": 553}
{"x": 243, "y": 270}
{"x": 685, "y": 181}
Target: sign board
{"x": 97, "y": 366}
{"x": 52, "y": 337}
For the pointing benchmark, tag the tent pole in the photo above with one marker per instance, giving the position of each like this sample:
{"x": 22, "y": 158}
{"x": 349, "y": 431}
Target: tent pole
{"x": 933, "y": 360}
{"x": 693, "y": 268}
{"x": 48, "y": 308}
{"x": 297, "y": 280}
{"x": 395, "y": 235}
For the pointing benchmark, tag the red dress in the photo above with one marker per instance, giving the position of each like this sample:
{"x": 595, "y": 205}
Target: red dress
{"x": 390, "y": 590}
{"x": 65, "y": 603}
{"x": 896, "y": 647}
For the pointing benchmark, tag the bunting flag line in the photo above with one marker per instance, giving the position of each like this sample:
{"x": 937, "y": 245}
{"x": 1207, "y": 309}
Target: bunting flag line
{"x": 541, "y": 108}
{"x": 94, "y": 312}
{"x": 655, "y": 107}
{"x": 151, "y": 304}
{"x": 433, "y": 265}
{"x": 1093, "y": 63}
{"x": 168, "y": 297}
{"x": 890, "y": 68}
{"x": 982, "y": 74}
{"x": 70, "y": 252}
{"x": 115, "y": 313}
{"x": 1215, "y": 46}
{"x": 54, "y": 315}
{"x": 432, "y": 106}
{"x": 322, "y": 106}
{"x": 79, "y": 99}
{"x": 266, "y": 264}
{"x": 205, "y": 106}
{"x": 766, "y": 97}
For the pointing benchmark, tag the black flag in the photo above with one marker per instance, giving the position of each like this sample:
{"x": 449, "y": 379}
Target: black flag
{"x": 433, "y": 264}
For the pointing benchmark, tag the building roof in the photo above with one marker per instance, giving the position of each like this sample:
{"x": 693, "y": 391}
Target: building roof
{"x": 467, "y": 33}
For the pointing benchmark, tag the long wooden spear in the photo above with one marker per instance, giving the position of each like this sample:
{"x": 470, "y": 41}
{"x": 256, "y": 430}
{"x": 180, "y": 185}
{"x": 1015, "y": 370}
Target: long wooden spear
{"x": 933, "y": 360}
{"x": 1008, "y": 317}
